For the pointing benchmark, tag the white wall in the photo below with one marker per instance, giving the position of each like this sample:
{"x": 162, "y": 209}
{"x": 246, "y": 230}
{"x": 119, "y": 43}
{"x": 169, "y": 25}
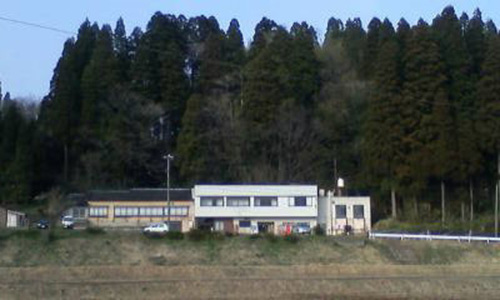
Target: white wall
{"x": 282, "y": 192}
{"x": 358, "y": 225}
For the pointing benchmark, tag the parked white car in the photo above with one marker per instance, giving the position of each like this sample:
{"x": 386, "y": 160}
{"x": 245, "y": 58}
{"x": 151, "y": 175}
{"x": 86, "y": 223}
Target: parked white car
{"x": 156, "y": 228}
{"x": 302, "y": 229}
{"x": 68, "y": 222}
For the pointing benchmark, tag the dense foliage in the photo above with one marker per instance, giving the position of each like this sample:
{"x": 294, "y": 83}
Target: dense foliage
{"x": 411, "y": 112}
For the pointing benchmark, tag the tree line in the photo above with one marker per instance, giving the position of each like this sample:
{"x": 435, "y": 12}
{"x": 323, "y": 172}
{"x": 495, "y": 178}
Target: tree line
{"x": 408, "y": 114}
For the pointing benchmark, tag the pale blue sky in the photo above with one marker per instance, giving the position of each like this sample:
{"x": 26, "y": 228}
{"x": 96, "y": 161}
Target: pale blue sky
{"x": 28, "y": 55}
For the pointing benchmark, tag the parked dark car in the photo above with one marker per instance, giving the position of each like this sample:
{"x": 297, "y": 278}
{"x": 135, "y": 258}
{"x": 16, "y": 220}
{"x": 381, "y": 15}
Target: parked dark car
{"x": 42, "y": 224}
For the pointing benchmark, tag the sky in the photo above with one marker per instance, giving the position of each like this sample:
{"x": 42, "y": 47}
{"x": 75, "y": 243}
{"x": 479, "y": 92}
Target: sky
{"x": 28, "y": 54}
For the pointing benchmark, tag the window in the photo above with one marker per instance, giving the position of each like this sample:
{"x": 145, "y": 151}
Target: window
{"x": 126, "y": 211}
{"x": 177, "y": 211}
{"x": 211, "y": 201}
{"x": 238, "y": 201}
{"x": 219, "y": 225}
{"x": 151, "y": 211}
{"x": 359, "y": 211}
{"x": 98, "y": 212}
{"x": 340, "y": 211}
{"x": 266, "y": 201}
{"x": 245, "y": 224}
{"x": 300, "y": 201}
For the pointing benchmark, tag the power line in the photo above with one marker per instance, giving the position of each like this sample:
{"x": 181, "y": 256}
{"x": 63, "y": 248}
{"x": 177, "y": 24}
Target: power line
{"x": 37, "y": 26}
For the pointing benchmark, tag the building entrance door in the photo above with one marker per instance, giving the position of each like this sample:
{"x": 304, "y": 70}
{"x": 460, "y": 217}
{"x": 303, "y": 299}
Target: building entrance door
{"x": 265, "y": 227}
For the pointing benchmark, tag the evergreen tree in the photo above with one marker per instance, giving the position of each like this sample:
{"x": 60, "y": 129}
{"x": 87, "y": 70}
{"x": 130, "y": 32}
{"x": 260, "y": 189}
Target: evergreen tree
{"x": 475, "y": 42}
{"x": 264, "y": 32}
{"x": 200, "y": 31}
{"x": 372, "y": 44}
{"x": 64, "y": 110}
{"x": 122, "y": 49}
{"x": 449, "y": 33}
{"x": 158, "y": 72}
{"x": 304, "y": 66}
{"x": 334, "y": 30}
{"x": 354, "y": 42}
{"x": 235, "y": 47}
{"x": 423, "y": 88}
{"x": 488, "y": 122}
{"x": 100, "y": 75}
{"x": 383, "y": 134}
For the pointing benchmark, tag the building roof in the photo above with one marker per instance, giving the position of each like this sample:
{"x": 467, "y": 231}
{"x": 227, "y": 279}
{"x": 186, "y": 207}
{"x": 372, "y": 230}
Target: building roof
{"x": 255, "y": 190}
{"x": 139, "y": 195}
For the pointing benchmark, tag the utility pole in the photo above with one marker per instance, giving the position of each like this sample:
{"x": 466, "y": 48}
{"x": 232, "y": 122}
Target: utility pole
{"x": 497, "y": 192}
{"x": 497, "y": 195}
{"x": 335, "y": 175}
{"x": 168, "y": 157}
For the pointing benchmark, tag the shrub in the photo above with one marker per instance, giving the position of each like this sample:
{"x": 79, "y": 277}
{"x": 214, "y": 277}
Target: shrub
{"x": 94, "y": 230}
{"x": 292, "y": 238}
{"x": 318, "y": 230}
{"x": 218, "y": 236}
{"x": 271, "y": 237}
{"x": 27, "y": 234}
{"x": 50, "y": 236}
{"x": 255, "y": 236}
{"x": 175, "y": 235}
{"x": 197, "y": 235}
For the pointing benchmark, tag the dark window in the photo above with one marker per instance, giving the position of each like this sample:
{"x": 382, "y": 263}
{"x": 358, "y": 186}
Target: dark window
{"x": 211, "y": 201}
{"x": 244, "y": 224}
{"x": 359, "y": 211}
{"x": 300, "y": 201}
{"x": 340, "y": 211}
{"x": 238, "y": 201}
{"x": 175, "y": 225}
{"x": 266, "y": 201}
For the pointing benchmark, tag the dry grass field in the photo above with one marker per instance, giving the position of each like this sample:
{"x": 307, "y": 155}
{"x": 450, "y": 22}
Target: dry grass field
{"x": 79, "y": 265}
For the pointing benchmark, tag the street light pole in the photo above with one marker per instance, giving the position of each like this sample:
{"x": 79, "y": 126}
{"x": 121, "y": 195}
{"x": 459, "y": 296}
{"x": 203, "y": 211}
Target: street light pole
{"x": 168, "y": 157}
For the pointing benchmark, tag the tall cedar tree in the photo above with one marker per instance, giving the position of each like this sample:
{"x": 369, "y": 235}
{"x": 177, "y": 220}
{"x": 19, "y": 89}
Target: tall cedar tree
{"x": 266, "y": 85}
{"x": 449, "y": 33}
{"x": 11, "y": 124}
{"x": 63, "y": 105}
{"x": 424, "y": 91}
{"x": 100, "y": 75}
{"x": 382, "y": 130}
{"x": 235, "y": 47}
{"x": 488, "y": 122}
{"x": 354, "y": 43}
{"x": 158, "y": 72}
{"x": 202, "y": 145}
{"x": 122, "y": 49}
{"x": 198, "y": 31}
{"x": 371, "y": 47}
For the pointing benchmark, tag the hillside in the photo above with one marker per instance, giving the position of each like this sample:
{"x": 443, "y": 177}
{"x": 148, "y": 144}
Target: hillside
{"x": 73, "y": 248}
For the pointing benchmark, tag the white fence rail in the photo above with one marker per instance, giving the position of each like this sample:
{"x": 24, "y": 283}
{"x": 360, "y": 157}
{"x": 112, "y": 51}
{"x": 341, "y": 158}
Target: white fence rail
{"x": 431, "y": 237}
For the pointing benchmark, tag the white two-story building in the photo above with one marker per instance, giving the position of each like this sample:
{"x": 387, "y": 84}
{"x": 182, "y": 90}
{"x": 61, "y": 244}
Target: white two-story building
{"x": 255, "y": 208}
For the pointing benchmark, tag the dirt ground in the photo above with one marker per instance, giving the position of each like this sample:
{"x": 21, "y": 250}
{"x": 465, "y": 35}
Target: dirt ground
{"x": 130, "y": 266}
{"x": 247, "y": 282}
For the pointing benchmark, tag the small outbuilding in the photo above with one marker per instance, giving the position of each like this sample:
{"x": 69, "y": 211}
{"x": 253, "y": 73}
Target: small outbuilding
{"x": 12, "y": 219}
{"x": 344, "y": 215}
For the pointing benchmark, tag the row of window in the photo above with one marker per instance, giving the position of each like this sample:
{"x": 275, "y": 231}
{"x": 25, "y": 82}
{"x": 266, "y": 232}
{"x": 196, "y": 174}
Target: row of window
{"x": 258, "y": 201}
{"x": 146, "y": 211}
{"x": 341, "y": 211}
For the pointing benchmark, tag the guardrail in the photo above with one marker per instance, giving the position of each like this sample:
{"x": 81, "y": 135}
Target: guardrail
{"x": 431, "y": 237}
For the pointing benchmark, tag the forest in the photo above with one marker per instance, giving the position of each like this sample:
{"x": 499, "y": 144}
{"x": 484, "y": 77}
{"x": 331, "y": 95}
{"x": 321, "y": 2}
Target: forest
{"x": 408, "y": 114}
